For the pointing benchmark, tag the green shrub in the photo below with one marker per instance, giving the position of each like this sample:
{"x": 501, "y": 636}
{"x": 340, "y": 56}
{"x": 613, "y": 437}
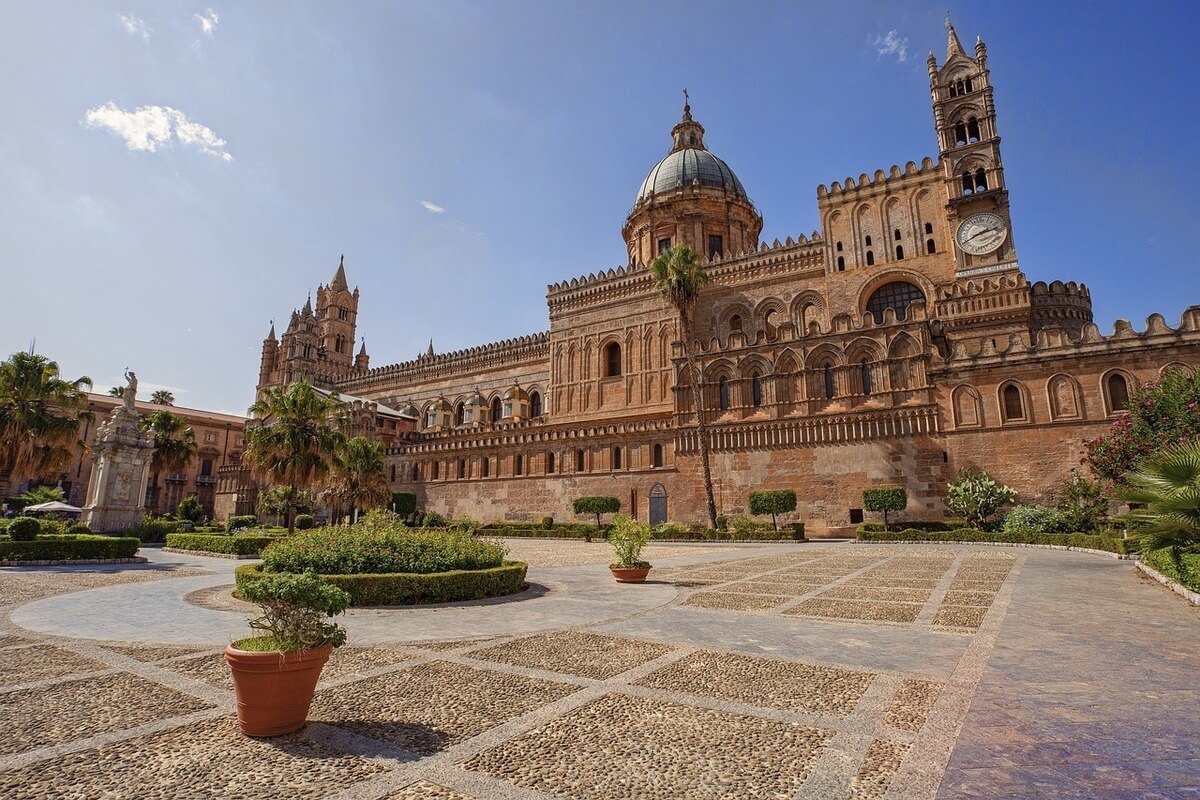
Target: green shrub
{"x": 781, "y": 501}
{"x": 189, "y": 508}
{"x": 403, "y": 503}
{"x": 628, "y": 537}
{"x": 185, "y": 526}
{"x": 597, "y": 506}
{"x": 1163, "y": 561}
{"x": 561, "y": 530}
{"x": 920, "y": 525}
{"x": 305, "y": 522}
{"x": 241, "y": 521}
{"x": 398, "y": 589}
{"x": 375, "y": 549}
{"x": 433, "y": 519}
{"x": 153, "y": 529}
{"x": 24, "y": 529}
{"x": 79, "y": 528}
{"x": 798, "y": 531}
{"x": 242, "y": 544}
{"x": 722, "y": 522}
{"x": 1035, "y": 519}
{"x": 884, "y": 500}
{"x": 66, "y": 547}
{"x": 976, "y": 498}
{"x": 294, "y": 608}
{"x": 1090, "y": 541}
{"x": 747, "y": 527}
{"x": 548, "y": 523}
{"x": 1082, "y": 503}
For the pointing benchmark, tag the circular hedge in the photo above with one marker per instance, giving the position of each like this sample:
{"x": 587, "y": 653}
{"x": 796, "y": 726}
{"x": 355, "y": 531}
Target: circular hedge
{"x": 380, "y": 547}
{"x": 411, "y": 588}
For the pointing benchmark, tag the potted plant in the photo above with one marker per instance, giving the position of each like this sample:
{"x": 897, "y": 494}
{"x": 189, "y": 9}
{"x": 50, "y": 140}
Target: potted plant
{"x": 628, "y": 537}
{"x": 275, "y": 672}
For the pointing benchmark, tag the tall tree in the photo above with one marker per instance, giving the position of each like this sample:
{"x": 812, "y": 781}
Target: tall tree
{"x": 40, "y": 415}
{"x": 294, "y": 438}
{"x": 360, "y": 476}
{"x": 174, "y": 446}
{"x": 679, "y": 276}
{"x": 162, "y": 397}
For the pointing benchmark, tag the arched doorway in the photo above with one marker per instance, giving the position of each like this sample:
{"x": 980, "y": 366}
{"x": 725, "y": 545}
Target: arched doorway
{"x": 658, "y": 504}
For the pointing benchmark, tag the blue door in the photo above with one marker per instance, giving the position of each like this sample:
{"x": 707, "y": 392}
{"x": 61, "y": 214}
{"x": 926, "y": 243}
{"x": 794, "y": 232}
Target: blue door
{"x": 658, "y": 504}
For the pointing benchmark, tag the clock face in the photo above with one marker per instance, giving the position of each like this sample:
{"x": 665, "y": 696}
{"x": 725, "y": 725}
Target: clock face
{"x": 981, "y": 233}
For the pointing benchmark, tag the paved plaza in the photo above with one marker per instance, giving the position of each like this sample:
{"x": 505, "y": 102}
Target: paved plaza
{"x": 739, "y": 671}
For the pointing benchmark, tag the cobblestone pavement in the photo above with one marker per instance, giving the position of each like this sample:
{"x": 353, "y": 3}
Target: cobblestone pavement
{"x": 771, "y": 671}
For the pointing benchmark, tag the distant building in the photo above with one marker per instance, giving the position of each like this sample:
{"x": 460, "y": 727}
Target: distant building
{"x": 900, "y": 343}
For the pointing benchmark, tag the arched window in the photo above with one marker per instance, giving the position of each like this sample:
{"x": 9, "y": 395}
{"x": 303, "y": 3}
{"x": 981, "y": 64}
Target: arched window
{"x": 868, "y": 241}
{"x": 870, "y": 259}
{"x": 897, "y": 295}
{"x": 756, "y": 390}
{"x": 486, "y": 467}
{"x": 1014, "y": 404}
{"x": 496, "y": 409}
{"x": 841, "y": 263}
{"x": 973, "y": 130}
{"x": 656, "y": 457}
{"x": 839, "y": 247}
{"x": 896, "y": 234}
{"x": 462, "y": 468}
{"x": 968, "y": 183}
{"x": 416, "y": 473}
{"x": 518, "y": 464}
{"x": 549, "y": 462}
{"x": 723, "y": 393}
{"x": 769, "y": 322}
{"x": 735, "y": 323}
{"x": 434, "y": 467}
{"x": 1118, "y": 392}
{"x": 616, "y": 458}
{"x": 969, "y": 87}
{"x": 929, "y": 227}
{"x": 828, "y": 374}
{"x": 612, "y": 360}
{"x": 899, "y": 252}
{"x": 535, "y": 404}
{"x": 960, "y": 134}
{"x": 980, "y": 180}
{"x": 458, "y": 413}
{"x": 865, "y": 376}
{"x": 393, "y": 473}
{"x": 579, "y": 460}
{"x": 930, "y": 246}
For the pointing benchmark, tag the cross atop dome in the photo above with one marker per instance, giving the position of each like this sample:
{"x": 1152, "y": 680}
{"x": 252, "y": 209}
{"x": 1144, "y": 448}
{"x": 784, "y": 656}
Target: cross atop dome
{"x": 687, "y": 133}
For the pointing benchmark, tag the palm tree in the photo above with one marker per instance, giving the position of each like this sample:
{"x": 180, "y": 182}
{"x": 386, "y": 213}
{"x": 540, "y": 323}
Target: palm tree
{"x": 360, "y": 475}
{"x": 1168, "y": 484}
{"x": 679, "y": 276}
{"x": 40, "y": 414}
{"x": 174, "y": 445}
{"x": 294, "y": 438}
{"x": 117, "y": 391}
{"x": 162, "y": 397}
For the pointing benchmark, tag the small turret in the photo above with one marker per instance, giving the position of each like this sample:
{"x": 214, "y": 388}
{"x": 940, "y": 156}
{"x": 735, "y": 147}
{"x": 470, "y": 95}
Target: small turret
{"x": 362, "y": 360}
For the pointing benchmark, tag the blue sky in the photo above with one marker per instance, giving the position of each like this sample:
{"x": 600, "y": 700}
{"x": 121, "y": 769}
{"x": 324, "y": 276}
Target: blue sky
{"x": 278, "y": 136}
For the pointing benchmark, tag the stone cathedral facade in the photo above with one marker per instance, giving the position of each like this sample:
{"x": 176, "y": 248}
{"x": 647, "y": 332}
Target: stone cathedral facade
{"x": 901, "y": 342}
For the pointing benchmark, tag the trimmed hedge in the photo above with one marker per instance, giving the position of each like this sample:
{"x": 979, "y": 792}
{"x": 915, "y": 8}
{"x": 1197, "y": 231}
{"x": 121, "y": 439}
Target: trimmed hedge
{"x": 917, "y": 525}
{"x": 24, "y": 529}
{"x": 1161, "y": 560}
{"x": 1110, "y": 544}
{"x": 410, "y": 588}
{"x": 65, "y": 547}
{"x": 243, "y": 544}
{"x": 560, "y": 530}
{"x": 575, "y": 530}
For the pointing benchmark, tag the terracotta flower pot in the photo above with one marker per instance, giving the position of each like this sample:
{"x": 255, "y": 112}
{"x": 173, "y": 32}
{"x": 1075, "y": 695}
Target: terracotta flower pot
{"x": 636, "y": 575}
{"x": 274, "y": 690}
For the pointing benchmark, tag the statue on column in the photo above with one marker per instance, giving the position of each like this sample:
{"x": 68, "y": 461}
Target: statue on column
{"x": 130, "y": 394}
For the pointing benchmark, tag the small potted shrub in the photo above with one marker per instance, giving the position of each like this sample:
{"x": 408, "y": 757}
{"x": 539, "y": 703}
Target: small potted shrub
{"x": 628, "y": 537}
{"x": 275, "y": 672}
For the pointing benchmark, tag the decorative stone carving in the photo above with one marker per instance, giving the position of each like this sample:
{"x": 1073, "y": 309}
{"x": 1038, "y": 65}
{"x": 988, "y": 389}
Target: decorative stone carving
{"x": 117, "y": 490}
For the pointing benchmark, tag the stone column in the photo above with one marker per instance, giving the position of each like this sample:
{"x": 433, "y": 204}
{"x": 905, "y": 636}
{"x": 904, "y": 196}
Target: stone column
{"x": 121, "y": 456}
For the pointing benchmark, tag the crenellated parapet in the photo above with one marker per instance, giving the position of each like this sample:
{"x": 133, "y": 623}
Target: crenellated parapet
{"x": 1055, "y": 342}
{"x": 982, "y": 304}
{"x": 880, "y": 181}
{"x": 1061, "y": 305}
{"x": 521, "y": 349}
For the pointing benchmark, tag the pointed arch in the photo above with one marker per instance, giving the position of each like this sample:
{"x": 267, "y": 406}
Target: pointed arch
{"x": 967, "y": 405}
{"x": 1014, "y": 402}
{"x": 806, "y": 308}
{"x": 1065, "y": 397}
{"x": 1116, "y": 386}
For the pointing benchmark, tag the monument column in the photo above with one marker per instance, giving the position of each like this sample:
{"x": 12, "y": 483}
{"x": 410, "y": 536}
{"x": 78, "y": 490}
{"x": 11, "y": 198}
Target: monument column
{"x": 121, "y": 456}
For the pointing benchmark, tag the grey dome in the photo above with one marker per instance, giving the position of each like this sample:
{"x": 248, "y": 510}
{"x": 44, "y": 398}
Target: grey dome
{"x": 687, "y": 166}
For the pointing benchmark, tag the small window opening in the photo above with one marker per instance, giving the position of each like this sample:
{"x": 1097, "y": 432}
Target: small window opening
{"x": 579, "y": 460}
{"x": 930, "y": 246}
{"x": 1014, "y": 406}
{"x": 870, "y": 259}
{"x": 616, "y": 458}
{"x": 865, "y": 374}
{"x": 756, "y": 394}
{"x": 723, "y": 392}
{"x": 899, "y": 252}
{"x": 929, "y": 227}
{"x": 841, "y": 264}
{"x": 828, "y": 375}
{"x": 656, "y": 459}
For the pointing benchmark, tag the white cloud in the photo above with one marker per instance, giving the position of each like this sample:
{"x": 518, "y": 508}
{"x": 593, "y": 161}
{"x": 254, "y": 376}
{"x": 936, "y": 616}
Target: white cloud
{"x": 432, "y": 208}
{"x": 135, "y": 26}
{"x": 891, "y": 44}
{"x": 151, "y": 126}
{"x": 208, "y": 20}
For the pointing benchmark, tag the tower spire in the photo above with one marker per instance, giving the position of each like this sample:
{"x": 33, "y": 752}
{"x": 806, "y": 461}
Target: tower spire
{"x": 339, "y": 278}
{"x": 953, "y": 46}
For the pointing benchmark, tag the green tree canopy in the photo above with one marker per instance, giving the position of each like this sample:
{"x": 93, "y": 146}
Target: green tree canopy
{"x": 884, "y": 500}
{"x": 162, "y": 397}
{"x": 359, "y": 475}
{"x": 597, "y": 506}
{"x": 976, "y": 497}
{"x": 174, "y": 443}
{"x": 40, "y": 415}
{"x": 679, "y": 277}
{"x": 294, "y": 438}
{"x": 780, "y": 501}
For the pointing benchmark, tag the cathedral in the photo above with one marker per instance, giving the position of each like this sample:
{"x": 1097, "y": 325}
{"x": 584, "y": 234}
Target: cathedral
{"x": 895, "y": 346}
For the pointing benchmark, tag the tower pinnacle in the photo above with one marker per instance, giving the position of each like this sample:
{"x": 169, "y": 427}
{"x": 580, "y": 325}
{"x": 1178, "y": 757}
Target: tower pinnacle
{"x": 953, "y": 46}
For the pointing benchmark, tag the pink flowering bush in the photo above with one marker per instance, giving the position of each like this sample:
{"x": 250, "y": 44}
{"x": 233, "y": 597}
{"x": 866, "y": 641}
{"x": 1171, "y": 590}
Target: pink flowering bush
{"x": 1161, "y": 412}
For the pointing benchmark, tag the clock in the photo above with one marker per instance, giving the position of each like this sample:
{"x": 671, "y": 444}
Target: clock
{"x": 981, "y": 233}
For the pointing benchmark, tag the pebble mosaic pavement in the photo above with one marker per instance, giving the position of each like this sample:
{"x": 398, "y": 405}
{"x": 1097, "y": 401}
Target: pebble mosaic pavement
{"x": 775, "y": 671}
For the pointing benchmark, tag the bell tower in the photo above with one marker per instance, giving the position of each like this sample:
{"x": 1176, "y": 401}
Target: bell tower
{"x": 964, "y": 114}
{"x": 337, "y": 318}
